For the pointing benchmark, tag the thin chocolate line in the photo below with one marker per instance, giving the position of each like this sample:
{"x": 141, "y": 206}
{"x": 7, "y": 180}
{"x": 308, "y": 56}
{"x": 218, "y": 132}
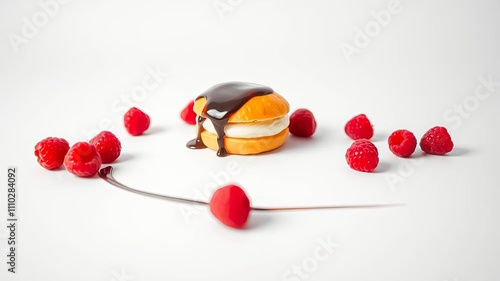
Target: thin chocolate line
{"x": 106, "y": 174}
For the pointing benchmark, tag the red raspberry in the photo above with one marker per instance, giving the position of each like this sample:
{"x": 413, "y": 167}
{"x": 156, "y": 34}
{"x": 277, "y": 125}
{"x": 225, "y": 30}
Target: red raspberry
{"x": 108, "y": 146}
{"x": 136, "y": 121}
{"x": 231, "y": 206}
{"x": 188, "y": 115}
{"x": 402, "y": 143}
{"x": 436, "y": 141}
{"x": 50, "y": 152}
{"x": 82, "y": 160}
{"x": 302, "y": 123}
{"x": 362, "y": 156}
{"x": 359, "y": 127}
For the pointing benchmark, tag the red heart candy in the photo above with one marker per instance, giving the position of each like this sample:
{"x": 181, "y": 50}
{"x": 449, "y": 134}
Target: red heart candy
{"x": 188, "y": 115}
{"x": 231, "y": 206}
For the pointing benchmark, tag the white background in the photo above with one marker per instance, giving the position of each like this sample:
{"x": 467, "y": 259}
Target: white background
{"x": 77, "y": 72}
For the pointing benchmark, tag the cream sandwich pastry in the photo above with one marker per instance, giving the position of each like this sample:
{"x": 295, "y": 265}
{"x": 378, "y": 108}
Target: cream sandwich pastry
{"x": 240, "y": 118}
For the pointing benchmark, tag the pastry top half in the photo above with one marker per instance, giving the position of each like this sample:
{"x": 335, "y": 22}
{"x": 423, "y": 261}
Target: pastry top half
{"x": 259, "y": 108}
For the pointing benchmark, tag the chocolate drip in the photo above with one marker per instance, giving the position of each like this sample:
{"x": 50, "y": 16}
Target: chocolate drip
{"x": 197, "y": 143}
{"x": 222, "y": 101}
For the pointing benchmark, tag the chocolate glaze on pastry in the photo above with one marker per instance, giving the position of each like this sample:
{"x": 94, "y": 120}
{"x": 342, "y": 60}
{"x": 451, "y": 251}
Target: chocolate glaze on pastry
{"x": 222, "y": 101}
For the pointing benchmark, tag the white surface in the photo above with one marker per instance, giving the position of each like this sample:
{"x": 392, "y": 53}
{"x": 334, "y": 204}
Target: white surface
{"x": 78, "y": 73}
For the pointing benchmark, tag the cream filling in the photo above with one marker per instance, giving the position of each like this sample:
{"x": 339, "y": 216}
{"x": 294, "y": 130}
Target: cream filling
{"x": 251, "y": 129}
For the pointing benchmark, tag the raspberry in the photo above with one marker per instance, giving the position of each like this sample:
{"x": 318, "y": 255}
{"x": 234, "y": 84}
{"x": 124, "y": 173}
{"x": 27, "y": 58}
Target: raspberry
{"x": 188, "y": 115}
{"x": 402, "y": 143}
{"x": 436, "y": 141}
{"x": 50, "y": 152}
{"x": 302, "y": 123}
{"x": 108, "y": 146}
{"x": 136, "y": 121}
{"x": 359, "y": 127}
{"x": 82, "y": 160}
{"x": 231, "y": 206}
{"x": 362, "y": 156}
